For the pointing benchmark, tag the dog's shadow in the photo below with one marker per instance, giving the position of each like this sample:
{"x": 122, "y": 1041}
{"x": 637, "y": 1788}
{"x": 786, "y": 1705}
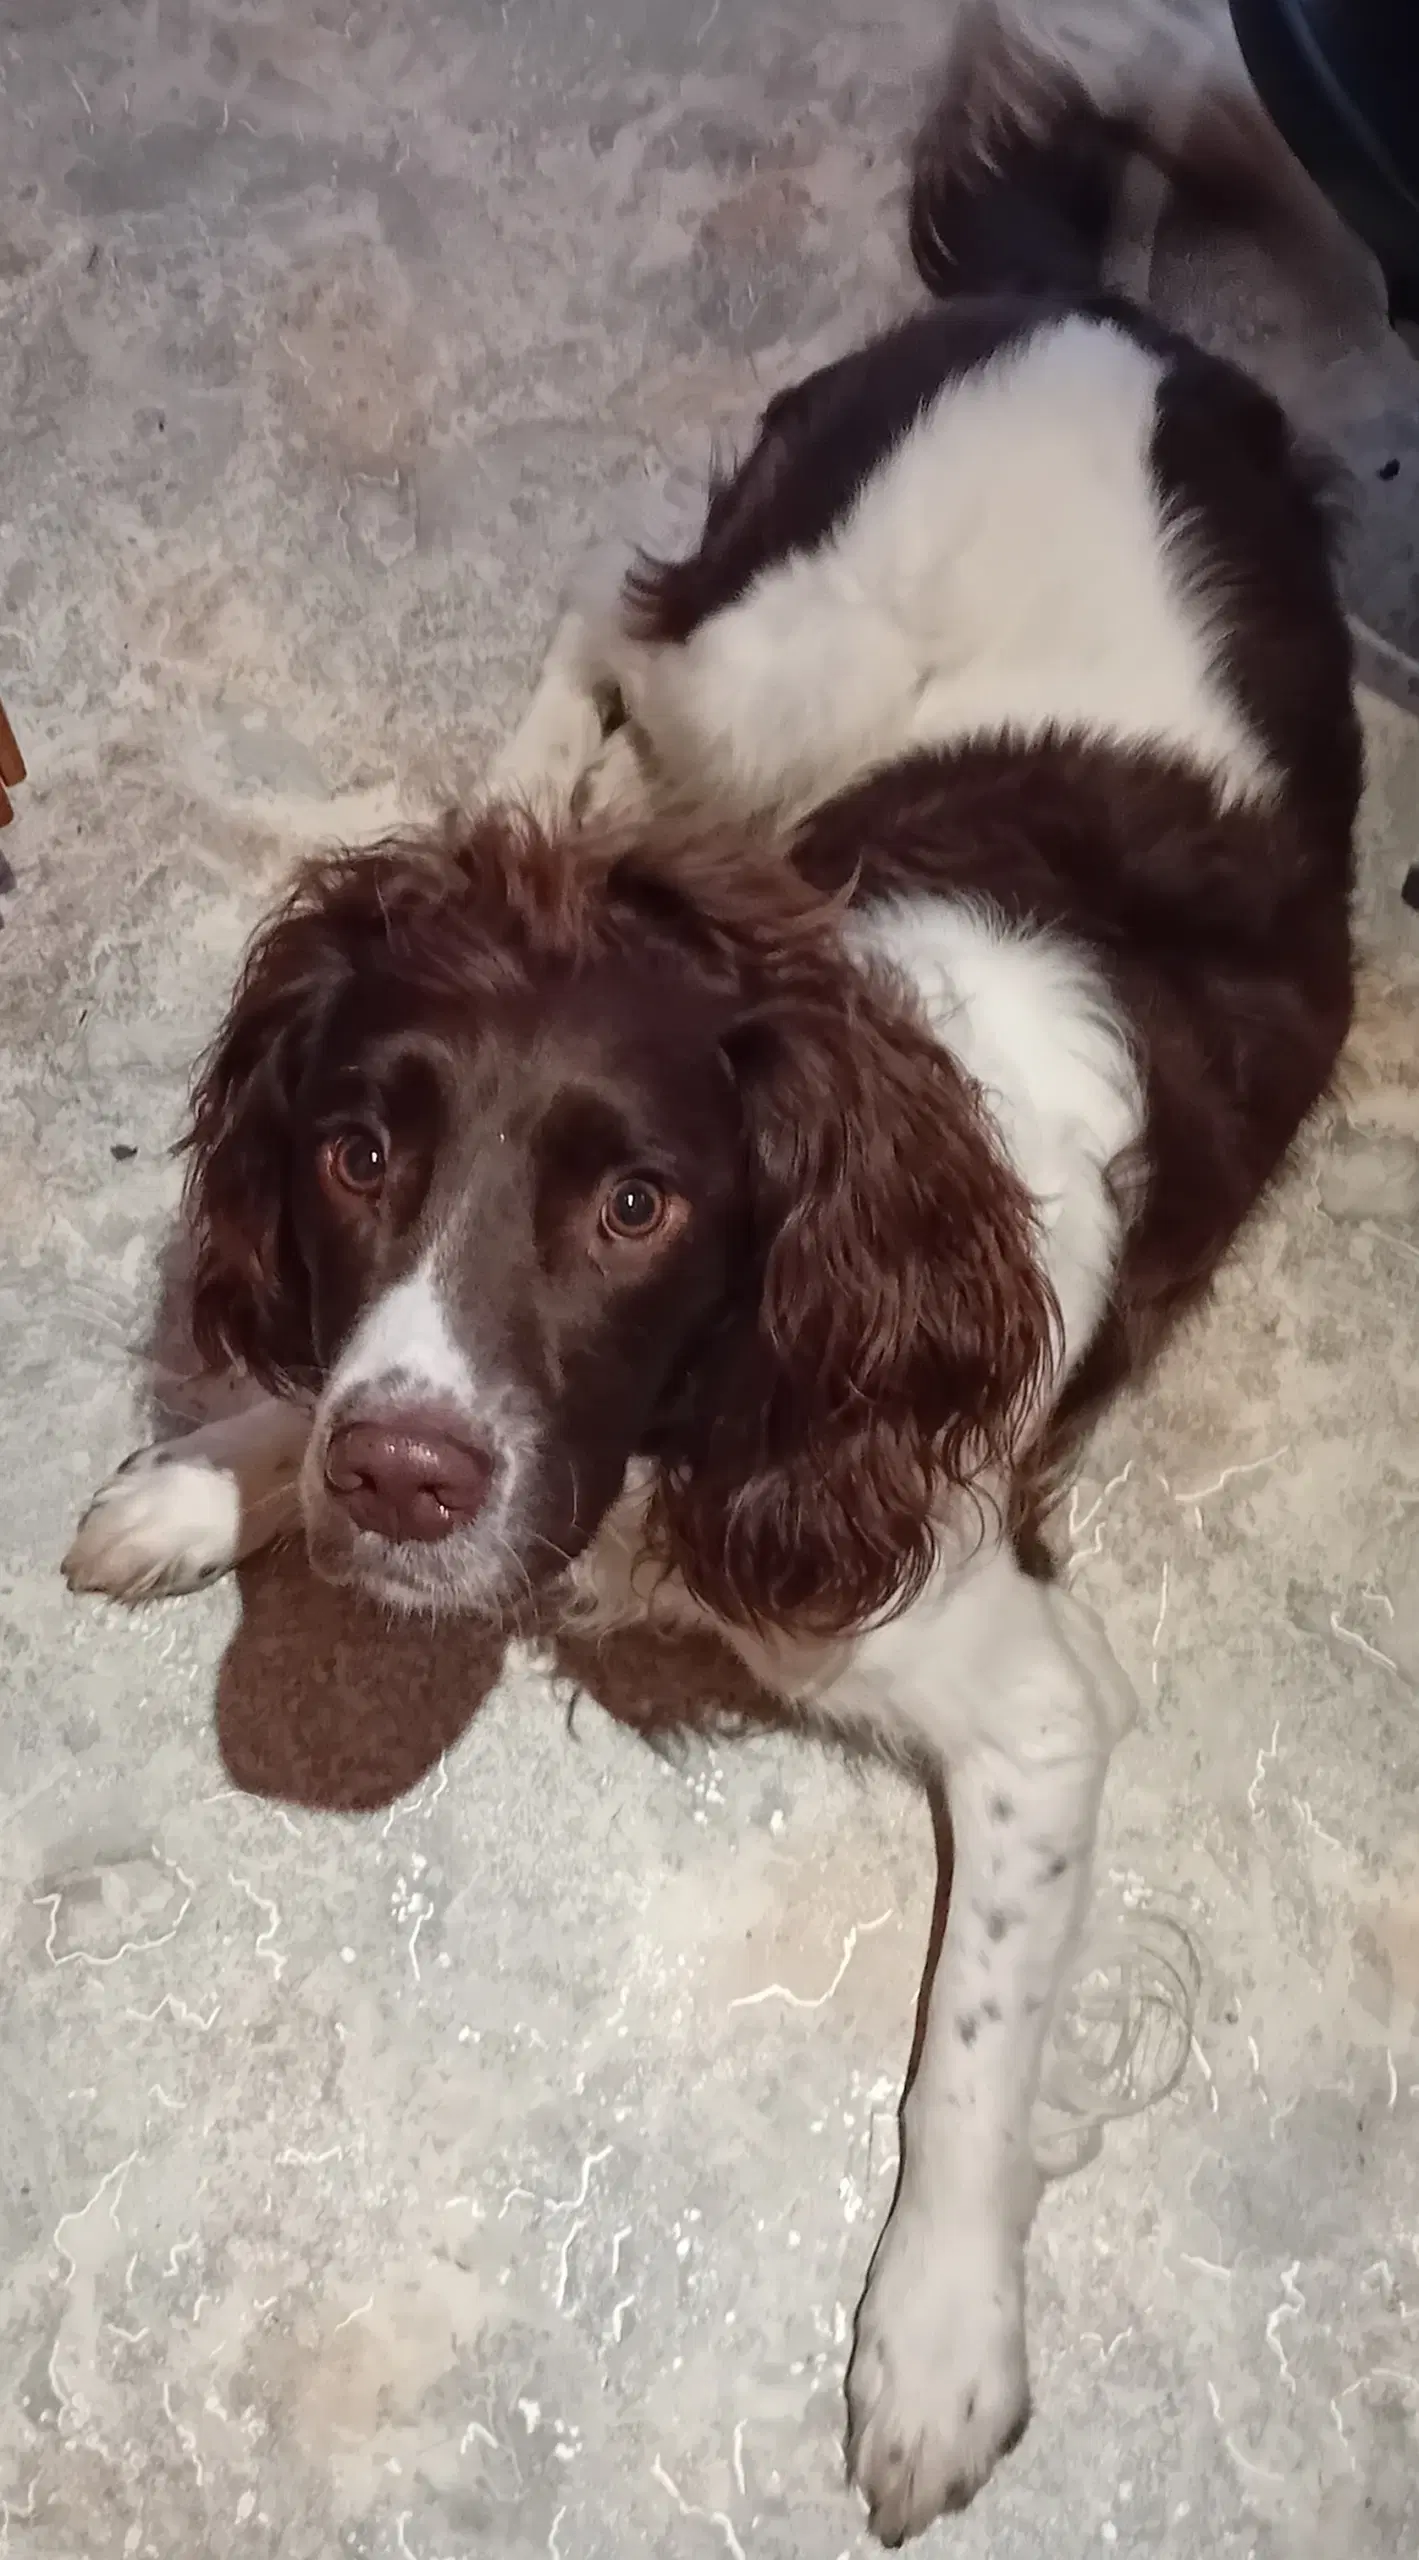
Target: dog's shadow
{"x": 326, "y": 1701}
{"x": 323, "y": 1700}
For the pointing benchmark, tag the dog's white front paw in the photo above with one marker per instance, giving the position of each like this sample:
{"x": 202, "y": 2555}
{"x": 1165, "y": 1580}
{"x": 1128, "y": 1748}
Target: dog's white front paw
{"x": 545, "y": 762}
{"x": 163, "y": 1524}
{"x": 938, "y": 2387}
{"x": 615, "y": 785}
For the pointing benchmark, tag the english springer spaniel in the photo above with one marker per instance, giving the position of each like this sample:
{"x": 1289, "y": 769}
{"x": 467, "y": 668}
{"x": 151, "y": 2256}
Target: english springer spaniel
{"x": 739, "y": 1212}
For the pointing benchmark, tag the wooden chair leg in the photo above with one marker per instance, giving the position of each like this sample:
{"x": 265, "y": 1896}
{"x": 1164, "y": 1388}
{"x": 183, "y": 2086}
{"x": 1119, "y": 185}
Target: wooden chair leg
{"x": 12, "y": 767}
{"x": 12, "y": 763}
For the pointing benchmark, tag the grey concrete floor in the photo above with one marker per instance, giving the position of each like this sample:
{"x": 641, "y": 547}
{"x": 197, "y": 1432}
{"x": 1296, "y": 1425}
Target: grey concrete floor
{"x": 494, "y": 2170}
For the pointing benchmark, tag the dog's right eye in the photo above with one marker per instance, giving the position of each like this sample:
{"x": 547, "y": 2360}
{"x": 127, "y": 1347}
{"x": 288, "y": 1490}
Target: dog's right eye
{"x": 633, "y": 1210}
{"x": 354, "y": 1160}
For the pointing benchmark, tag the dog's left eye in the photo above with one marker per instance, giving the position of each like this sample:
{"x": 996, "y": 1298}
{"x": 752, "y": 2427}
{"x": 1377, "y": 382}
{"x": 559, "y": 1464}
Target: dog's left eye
{"x": 633, "y": 1210}
{"x": 355, "y": 1160}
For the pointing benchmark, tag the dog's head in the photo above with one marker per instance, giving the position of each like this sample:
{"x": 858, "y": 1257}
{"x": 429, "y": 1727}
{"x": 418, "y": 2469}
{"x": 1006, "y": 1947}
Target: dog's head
{"x": 527, "y": 1157}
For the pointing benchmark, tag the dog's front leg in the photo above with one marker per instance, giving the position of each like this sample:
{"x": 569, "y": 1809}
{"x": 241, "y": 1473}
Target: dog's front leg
{"x": 178, "y": 1514}
{"x": 1015, "y": 1700}
{"x": 577, "y": 754}
{"x": 560, "y": 735}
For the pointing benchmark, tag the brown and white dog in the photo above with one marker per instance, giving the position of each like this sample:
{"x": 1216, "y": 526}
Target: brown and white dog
{"x": 739, "y": 1216}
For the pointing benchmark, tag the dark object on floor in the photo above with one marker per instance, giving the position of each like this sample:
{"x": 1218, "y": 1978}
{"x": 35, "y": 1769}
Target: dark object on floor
{"x": 1410, "y": 891}
{"x": 1340, "y": 80}
{"x": 12, "y": 767}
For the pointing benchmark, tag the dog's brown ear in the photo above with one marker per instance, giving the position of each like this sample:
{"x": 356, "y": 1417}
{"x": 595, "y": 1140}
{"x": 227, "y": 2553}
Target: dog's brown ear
{"x": 896, "y": 1330}
{"x": 251, "y": 1297}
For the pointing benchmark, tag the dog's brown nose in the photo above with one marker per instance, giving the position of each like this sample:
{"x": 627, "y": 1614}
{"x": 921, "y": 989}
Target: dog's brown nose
{"x": 405, "y": 1481}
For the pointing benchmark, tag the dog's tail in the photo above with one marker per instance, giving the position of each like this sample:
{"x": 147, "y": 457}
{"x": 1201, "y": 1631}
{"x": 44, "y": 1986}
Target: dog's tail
{"x": 1038, "y": 151}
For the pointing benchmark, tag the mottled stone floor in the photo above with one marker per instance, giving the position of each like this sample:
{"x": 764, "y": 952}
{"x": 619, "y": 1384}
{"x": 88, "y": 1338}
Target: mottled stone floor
{"x": 496, "y": 2171}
